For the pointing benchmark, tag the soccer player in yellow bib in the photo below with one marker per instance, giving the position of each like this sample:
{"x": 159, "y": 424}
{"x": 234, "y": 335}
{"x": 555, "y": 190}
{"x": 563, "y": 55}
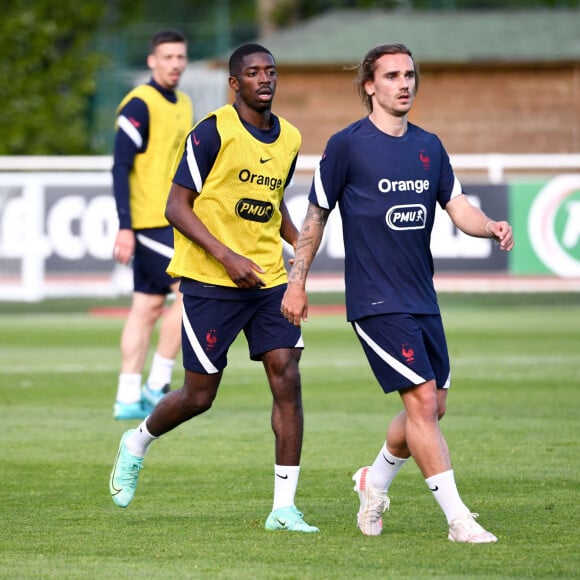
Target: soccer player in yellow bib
{"x": 152, "y": 122}
{"x": 227, "y": 206}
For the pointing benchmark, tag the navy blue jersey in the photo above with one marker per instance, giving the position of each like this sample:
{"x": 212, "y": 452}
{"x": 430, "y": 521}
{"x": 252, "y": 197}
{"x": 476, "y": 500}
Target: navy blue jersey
{"x": 387, "y": 189}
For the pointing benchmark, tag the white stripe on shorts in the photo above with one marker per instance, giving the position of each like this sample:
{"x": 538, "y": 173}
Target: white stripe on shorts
{"x": 391, "y": 361}
{"x": 197, "y": 348}
{"x": 156, "y": 246}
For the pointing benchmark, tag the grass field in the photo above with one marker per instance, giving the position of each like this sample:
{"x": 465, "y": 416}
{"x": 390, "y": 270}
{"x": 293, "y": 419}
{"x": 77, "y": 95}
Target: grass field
{"x": 206, "y": 489}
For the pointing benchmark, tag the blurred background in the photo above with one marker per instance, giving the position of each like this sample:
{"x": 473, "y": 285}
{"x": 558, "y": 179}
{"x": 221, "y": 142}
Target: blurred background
{"x": 500, "y": 86}
{"x": 66, "y": 65}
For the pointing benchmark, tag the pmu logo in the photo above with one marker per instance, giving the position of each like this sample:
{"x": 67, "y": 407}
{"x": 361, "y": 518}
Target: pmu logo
{"x": 554, "y": 225}
{"x": 407, "y": 217}
{"x": 254, "y": 210}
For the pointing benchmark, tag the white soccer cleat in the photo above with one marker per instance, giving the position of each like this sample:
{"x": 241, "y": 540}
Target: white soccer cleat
{"x": 373, "y": 503}
{"x": 465, "y": 529}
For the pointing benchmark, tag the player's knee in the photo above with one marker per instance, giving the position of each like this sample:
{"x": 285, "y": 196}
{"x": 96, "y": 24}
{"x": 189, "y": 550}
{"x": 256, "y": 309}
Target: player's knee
{"x": 291, "y": 377}
{"x": 441, "y": 403}
{"x": 197, "y": 403}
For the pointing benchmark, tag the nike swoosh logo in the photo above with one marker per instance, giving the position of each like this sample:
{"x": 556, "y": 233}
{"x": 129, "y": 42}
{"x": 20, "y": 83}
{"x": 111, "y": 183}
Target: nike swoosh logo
{"x": 196, "y": 140}
{"x": 282, "y": 476}
{"x": 113, "y": 487}
{"x": 266, "y": 160}
{"x": 434, "y": 488}
{"x": 282, "y": 523}
{"x": 389, "y": 462}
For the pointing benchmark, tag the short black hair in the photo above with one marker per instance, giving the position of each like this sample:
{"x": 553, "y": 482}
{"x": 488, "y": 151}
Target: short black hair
{"x": 165, "y": 36}
{"x": 237, "y": 57}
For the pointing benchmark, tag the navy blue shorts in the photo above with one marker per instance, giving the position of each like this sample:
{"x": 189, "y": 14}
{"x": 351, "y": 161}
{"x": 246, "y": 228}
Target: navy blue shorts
{"x": 210, "y": 326}
{"x": 405, "y": 349}
{"x": 153, "y": 252}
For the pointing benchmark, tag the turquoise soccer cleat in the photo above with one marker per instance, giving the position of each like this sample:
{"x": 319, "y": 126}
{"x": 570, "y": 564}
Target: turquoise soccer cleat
{"x": 123, "y": 411}
{"x": 289, "y": 519}
{"x": 150, "y": 397}
{"x": 124, "y": 475}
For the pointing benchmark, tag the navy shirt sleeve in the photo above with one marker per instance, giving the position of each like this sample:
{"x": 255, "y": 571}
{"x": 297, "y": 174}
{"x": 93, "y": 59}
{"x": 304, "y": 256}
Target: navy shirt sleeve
{"x": 332, "y": 173}
{"x": 131, "y": 138}
{"x": 291, "y": 173}
{"x": 449, "y": 185}
{"x": 201, "y": 149}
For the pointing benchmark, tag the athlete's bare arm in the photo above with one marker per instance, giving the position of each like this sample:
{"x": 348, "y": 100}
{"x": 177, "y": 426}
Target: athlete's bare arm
{"x": 295, "y": 302}
{"x": 180, "y": 203}
{"x": 473, "y": 222}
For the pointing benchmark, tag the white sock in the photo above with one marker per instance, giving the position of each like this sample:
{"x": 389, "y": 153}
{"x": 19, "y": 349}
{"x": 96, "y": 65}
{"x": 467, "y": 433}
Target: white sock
{"x": 445, "y": 492}
{"x": 129, "y": 388}
{"x": 384, "y": 469}
{"x": 161, "y": 371}
{"x": 138, "y": 442}
{"x": 285, "y": 484}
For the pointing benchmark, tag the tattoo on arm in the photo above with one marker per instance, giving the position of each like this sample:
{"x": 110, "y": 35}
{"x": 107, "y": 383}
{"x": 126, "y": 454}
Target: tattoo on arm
{"x": 317, "y": 214}
{"x": 308, "y": 241}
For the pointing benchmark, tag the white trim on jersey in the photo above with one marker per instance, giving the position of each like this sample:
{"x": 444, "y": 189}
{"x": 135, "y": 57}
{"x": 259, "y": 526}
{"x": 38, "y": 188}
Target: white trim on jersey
{"x": 130, "y": 130}
{"x": 390, "y": 360}
{"x": 447, "y": 382}
{"x": 193, "y": 167}
{"x": 156, "y": 246}
{"x": 457, "y": 189}
{"x": 319, "y": 190}
{"x": 197, "y": 348}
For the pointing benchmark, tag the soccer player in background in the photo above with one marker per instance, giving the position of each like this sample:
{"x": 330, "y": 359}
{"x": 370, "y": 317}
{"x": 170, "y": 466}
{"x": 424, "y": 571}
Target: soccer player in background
{"x": 387, "y": 176}
{"x": 152, "y": 122}
{"x": 227, "y": 206}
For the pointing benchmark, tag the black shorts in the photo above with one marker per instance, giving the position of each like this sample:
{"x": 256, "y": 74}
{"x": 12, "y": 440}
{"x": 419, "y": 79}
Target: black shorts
{"x": 405, "y": 349}
{"x": 210, "y": 326}
{"x": 153, "y": 252}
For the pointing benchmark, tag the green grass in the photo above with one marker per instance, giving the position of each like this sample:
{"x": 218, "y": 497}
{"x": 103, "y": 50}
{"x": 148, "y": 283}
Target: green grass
{"x": 512, "y": 427}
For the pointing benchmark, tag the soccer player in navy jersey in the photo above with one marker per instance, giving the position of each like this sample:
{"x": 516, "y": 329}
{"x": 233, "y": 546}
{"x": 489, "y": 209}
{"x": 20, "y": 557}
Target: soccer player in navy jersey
{"x": 227, "y": 206}
{"x": 152, "y": 122}
{"x": 387, "y": 175}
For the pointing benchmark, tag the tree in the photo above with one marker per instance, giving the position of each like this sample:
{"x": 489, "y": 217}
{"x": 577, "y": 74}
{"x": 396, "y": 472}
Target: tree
{"x": 48, "y": 66}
